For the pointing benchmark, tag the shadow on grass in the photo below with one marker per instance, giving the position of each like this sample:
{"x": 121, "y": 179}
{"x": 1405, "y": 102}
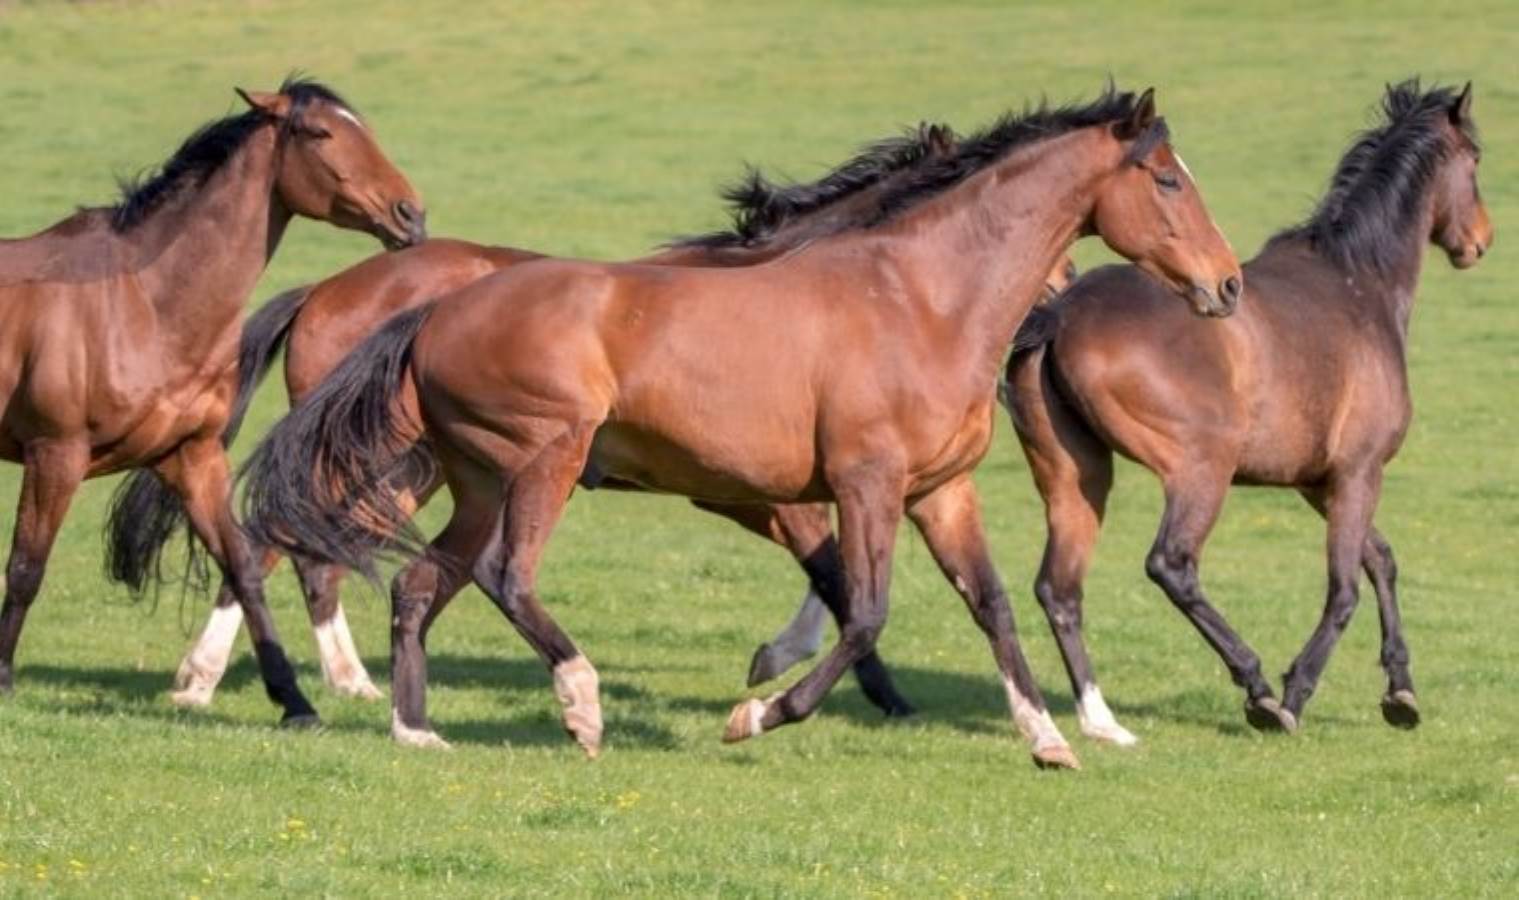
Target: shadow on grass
{"x": 970, "y": 704}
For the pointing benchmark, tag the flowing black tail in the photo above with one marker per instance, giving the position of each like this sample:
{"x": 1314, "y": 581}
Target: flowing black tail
{"x": 319, "y": 483}
{"x": 145, "y": 513}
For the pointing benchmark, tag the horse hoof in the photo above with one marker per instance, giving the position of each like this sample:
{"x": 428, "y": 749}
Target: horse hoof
{"x": 1400, "y": 709}
{"x": 425, "y": 738}
{"x": 899, "y": 709}
{"x": 361, "y": 691}
{"x": 585, "y": 730}
{"x": 744, "y": 722}
{"x": 1056, "y": 756}
{"x": 763, "y": 666}
{"x": 307, "y": 721}
{"x": 193, "y": 697}
{"x": 1114, "y": 734}
{"x": 1266, "y": 714}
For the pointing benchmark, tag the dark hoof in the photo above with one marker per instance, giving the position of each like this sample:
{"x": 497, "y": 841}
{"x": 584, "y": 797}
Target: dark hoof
{"x": 898, "y": 709}
{"x": 1266, "y": 714}
{"x": 761, "y": 666}
{"x": 1400, "y": 709}
{"x": 301, "y": 722}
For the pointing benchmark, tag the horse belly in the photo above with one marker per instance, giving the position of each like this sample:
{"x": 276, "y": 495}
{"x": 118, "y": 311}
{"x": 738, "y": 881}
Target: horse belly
{"x": 720, "y": 466}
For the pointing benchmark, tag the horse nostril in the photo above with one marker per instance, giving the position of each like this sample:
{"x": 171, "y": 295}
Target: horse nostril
{"x": 1481, "y": 250}
{"x": 1230, "y": 288}
{"x": 405, "y": 213}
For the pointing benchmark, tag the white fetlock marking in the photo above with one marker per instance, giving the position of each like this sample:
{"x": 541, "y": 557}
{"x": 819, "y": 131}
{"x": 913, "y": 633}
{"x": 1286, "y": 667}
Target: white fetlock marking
{"x": 342, "y": 668}
{"x": 1098, "y": 722}
{"x": 414, "y": 737}
{"x": 1034, "y": 724}
{"x": 578, "y": 687}
{"x": 756, "y": 718}
{"x": 203, "y": 667}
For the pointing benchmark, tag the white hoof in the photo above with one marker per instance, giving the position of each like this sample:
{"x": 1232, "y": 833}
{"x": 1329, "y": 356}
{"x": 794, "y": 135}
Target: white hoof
{"x": 1097, "y": 721}
{"x": 195, "y": 696}
{"x": 362, "y": 689}
{"x": 425, "y": 738}
{"x": 577, "y": 688}
{"x": 1110, "y": 734}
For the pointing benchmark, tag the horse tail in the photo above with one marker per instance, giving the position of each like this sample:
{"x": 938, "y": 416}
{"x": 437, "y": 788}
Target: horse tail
{"x": 263, "y": 335}
{"x": 1037, "y": 330}
{"x": 318, "y": 485}
{"x": 145, "y": 512}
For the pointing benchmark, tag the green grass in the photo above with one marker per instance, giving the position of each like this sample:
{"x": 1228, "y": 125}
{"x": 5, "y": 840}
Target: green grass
{"x": 587, "y": 128}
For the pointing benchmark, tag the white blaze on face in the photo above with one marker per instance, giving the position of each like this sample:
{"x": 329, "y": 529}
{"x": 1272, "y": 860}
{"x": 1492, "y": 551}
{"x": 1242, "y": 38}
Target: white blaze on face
{"x": 346, "y": 114}
{"x": 1182, "y": 164}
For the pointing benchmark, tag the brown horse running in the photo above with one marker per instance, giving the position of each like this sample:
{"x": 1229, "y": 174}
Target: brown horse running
{"x": 322, "y": 323}
{"x": 1305, "y": 387}
{"x": 119, "y": 326}
{"x": 859, "y": 369}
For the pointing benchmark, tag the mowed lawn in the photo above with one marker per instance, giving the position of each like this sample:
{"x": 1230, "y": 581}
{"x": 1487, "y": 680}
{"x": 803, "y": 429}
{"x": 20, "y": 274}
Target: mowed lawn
{"x": 601, "y": 129}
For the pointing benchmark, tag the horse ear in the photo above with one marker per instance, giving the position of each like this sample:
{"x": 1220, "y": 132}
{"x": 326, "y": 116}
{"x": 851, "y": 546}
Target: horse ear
{"x": 1461, "y": 109}
{"x": 1141, "y": 118}
{"x": 941, "y": 140}
{"x": 276, "y": 105}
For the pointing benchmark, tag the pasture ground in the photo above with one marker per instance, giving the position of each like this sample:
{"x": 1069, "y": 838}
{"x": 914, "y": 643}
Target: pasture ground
{"x": 599, "y": 129}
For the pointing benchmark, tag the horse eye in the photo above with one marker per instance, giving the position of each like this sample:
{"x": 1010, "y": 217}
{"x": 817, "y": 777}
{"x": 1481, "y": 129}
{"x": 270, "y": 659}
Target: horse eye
{"x": 1168, "y": 181}
{"x": 314, "y": 132}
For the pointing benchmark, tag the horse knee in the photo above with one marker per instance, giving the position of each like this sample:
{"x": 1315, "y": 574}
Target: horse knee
{"x": 1061, "y": 607}
{"x": 23, "y": 578}
{"x": 1380, "y": 559}
{"x": 860, "y": 634}
{"x": 1172, "y": 569}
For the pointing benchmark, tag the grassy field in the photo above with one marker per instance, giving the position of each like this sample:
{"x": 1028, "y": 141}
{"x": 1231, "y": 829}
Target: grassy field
{"x": 599, "y": 129}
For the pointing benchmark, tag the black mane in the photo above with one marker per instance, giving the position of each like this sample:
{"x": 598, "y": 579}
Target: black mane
{"x": 1006, "y": 135}
{"x": 206, "y": 151}
{"x": 761, "y": 207}
{"x": 1379, "y": 186}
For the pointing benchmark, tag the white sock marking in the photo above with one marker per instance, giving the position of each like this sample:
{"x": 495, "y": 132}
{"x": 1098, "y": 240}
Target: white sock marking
{"x": 1097, "y": 721}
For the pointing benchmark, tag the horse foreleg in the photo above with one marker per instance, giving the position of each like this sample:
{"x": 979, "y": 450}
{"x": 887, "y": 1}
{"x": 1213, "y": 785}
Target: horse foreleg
{"x": 805, "y": 531}
{"x": 1349, "y": 503}
{"x": 198, "y": 472}
{"x": 870, "y": 507}
{"x": 51, "y": 474}
{"x": 949, "y": 518}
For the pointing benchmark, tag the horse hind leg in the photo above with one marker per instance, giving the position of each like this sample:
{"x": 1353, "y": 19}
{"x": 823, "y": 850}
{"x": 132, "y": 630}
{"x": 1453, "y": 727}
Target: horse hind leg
{"x": 52, "y": 473}
{"x": 342, "y": 669}
{"x": 422, "y": 589}
{"x": 1073, "y": 471}
{"x": 508, "y": 570}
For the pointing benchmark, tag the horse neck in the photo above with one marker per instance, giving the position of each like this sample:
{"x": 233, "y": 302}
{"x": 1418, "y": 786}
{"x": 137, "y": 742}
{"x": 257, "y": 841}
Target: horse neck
{"x": 201, "y": 254}
{"x": 982, "y": 249}
{"x": 1401, "y": 284}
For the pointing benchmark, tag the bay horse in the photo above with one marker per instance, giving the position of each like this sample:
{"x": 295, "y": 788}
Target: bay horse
{"x": 1306, "y": 387}
{"x": 119, "y": 326}
{"x": 321, "y": 323}
{"x": 859, "y": 369}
